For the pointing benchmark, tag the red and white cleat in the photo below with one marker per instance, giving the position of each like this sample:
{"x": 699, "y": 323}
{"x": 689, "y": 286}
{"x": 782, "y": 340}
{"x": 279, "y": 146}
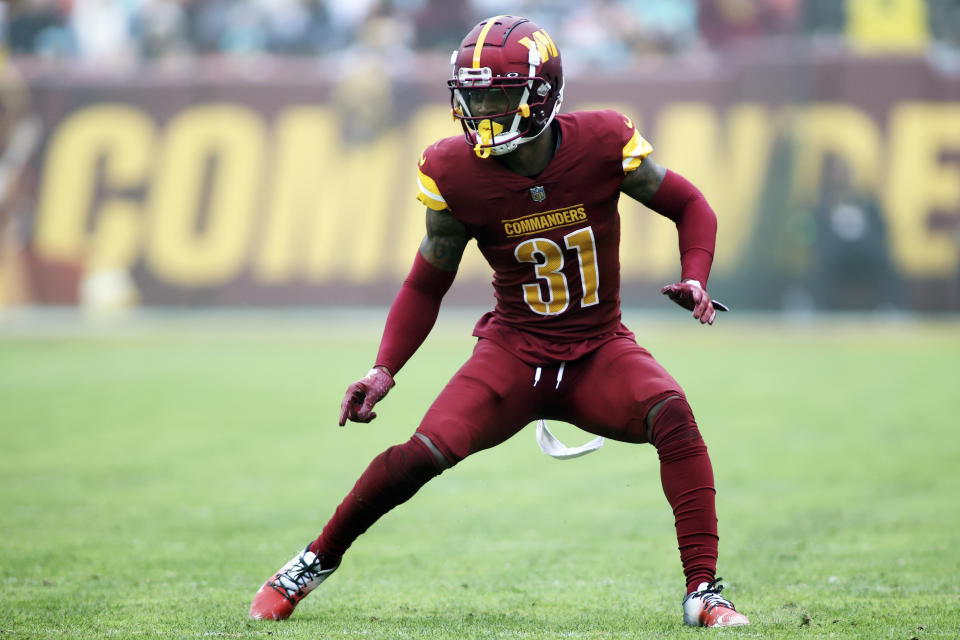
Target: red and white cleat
{"x": 279, "y": 595}
{"x": 705, "y": 607}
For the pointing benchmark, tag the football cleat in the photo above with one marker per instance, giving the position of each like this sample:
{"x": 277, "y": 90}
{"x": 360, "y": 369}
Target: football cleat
{"x": 705, "y": 607}
{"x": 279, "y": 595}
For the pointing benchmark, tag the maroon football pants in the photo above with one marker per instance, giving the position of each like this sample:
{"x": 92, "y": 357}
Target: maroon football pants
{"x": 494, "y": 395}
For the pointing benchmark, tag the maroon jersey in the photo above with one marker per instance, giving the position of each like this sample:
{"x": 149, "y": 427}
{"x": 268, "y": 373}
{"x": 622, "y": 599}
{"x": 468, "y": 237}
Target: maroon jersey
{"x": 553, "y": 241}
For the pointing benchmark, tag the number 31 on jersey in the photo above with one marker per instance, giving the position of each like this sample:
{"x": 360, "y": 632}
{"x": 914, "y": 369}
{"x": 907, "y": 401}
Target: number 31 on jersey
{"x": 547, "y": 255}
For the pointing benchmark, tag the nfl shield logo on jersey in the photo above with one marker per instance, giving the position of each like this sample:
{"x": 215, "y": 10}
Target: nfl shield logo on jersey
{"x": 538, "y": 194}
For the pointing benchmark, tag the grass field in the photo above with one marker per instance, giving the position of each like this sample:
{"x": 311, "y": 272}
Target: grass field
{"x": 153, "y": 475}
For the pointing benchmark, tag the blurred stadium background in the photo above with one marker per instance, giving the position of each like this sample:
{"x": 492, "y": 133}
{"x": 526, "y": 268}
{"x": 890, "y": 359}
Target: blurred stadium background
{"x": 238, "y": 153}
{"x": 237, "y": 178}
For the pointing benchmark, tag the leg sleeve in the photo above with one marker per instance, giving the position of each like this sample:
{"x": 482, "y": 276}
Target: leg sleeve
{"x": 488, "y": 400}
{"x": 610, "y": 392}
{"x": 485, "y": 403}
{"x": 392, "y": 478}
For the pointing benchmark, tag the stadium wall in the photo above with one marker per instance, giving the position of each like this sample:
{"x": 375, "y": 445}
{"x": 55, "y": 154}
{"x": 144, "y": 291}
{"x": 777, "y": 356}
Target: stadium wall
{"x": 835, "y": 178}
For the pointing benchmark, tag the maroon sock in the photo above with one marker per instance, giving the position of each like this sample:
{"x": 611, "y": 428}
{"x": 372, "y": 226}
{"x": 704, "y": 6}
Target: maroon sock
{"x": 687, "y": 478}
{"x": 392, "y": 478}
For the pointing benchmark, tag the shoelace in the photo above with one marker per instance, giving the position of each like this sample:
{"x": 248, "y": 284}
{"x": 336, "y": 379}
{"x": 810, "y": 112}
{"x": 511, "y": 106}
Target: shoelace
{"x": 712, "y": 598}
{"x": 297, "y": 577}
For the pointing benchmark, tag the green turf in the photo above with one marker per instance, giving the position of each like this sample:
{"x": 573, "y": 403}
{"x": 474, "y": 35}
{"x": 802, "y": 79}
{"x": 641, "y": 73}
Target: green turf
{"x": 151, "y": 479}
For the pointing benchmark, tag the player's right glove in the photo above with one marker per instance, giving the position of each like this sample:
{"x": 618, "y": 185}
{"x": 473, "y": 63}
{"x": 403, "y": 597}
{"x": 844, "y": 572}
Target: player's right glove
{"x": 357, "y": 405}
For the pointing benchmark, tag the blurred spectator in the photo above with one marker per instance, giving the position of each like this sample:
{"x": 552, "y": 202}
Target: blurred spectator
{"x": 288, "y": 26}
{"x": 823, "y": 17}
{"x": 161, "y": 27}
{"x": 207, "y": 20}
{"x": 363, "y": 92}
{"x": 389, "y": 34}
{"x": 549, "y": 14}
{"x": 726, "y": 22}
{"x": 20, "y": 133}
{"x": 945, "y": 31}
{"x": 38, "y": 27}
{"x": 608, "y": 33}
{"x": 245, "y": 29}
{"x": 441, "y": 24}
{"x": 777, "y": 272}
{"x": 945, "y": 21}
{"x": 667, "y": 26}
{"x": 103, "y": 31}
{"x": 853, "y": 268}
{"x": 598, "y": 34}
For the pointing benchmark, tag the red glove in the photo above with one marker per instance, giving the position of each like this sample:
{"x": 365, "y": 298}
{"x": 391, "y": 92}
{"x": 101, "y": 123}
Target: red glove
{"x": 357, "y": 405}
{"x": 690, "y": 295}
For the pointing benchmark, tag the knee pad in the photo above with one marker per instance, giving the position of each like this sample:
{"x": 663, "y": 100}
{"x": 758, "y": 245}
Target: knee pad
{"x": 397, "y": 473}
{"x": 673, "y": 422}
{"x": 412, "y": 459}
{"x": 442, "y": 461}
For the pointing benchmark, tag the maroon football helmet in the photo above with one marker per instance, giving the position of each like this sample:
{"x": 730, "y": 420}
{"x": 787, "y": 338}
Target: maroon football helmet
{"x": 507, "y": 84}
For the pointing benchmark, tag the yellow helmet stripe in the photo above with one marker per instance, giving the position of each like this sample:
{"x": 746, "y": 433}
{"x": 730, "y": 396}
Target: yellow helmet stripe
{"x": 481, "y": 39}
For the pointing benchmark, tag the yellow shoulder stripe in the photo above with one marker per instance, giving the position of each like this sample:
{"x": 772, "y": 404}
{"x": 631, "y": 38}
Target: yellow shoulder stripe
{"x": 635, "y": 151}
{"x": 428, "y": 193}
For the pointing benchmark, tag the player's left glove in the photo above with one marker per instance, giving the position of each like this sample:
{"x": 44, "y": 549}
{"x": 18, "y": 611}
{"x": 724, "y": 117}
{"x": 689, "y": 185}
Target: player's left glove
{"x": 690, "y": 295}
{"x": 357, "y": 405}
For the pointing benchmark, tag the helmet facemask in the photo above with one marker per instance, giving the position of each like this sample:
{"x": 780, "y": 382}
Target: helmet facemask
{"x": 523, "y": 106}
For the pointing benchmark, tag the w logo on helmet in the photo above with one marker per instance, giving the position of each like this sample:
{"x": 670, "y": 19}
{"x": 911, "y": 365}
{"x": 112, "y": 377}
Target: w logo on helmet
{"x": 544, "y": 44}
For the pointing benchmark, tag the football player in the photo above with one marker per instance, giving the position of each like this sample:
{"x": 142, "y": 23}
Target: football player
{"x": 538, "y": 190}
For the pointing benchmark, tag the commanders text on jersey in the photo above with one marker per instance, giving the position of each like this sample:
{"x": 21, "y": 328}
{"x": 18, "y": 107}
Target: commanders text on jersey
{"x": 547, "y": 220}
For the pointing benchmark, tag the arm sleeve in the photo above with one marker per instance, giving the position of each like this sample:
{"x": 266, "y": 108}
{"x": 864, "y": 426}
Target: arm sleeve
{"x": 413, "y": 313}
{"x": 678, "y": 199}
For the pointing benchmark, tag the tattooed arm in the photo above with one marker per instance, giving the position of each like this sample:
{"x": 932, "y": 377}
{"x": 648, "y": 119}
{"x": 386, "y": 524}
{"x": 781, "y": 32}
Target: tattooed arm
{"x": 445, "y": 240}
{"x": 642, "y": 183}
{"x": 412, "y": 315}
